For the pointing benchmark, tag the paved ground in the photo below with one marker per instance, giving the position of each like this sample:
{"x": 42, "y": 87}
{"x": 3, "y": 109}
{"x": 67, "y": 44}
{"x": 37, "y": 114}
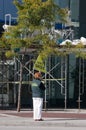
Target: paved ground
{"x": 56, "y": 118}
{"x": 69, "y": 113}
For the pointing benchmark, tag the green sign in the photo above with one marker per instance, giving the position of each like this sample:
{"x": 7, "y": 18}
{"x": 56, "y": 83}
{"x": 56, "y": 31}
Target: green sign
{"x": 40, "y": 65}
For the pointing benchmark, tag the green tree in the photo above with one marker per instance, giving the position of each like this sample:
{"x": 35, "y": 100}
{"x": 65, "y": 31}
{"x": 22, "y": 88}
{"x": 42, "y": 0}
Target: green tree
{"x": 35, "y": 22}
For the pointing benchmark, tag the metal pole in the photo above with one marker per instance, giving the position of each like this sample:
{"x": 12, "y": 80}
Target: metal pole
{"x": 45, "y": 100}
{"x": 14, "y": 81}
{"x": 65, "y": 82}
{"x": 79, "y": 83}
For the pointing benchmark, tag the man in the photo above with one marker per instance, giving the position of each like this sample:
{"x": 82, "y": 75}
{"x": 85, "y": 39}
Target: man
{"x": 38, "y": 89}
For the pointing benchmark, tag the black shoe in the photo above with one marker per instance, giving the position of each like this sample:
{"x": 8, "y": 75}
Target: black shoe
{"x": 38, "y": 119}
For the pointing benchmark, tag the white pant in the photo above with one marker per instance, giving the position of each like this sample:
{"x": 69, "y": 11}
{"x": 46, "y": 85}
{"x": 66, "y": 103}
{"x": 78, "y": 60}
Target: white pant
{"x": 37, "y": 108}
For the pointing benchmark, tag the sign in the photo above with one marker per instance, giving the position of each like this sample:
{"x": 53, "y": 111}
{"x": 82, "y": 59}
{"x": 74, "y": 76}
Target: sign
{"x": 40, "y": 65}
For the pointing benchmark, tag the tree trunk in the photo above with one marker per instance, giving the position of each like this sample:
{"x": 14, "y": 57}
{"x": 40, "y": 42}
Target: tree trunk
{"x": 19, "y": 90}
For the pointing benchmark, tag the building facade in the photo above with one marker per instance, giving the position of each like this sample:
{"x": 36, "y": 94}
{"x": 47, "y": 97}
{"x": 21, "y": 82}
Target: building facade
{"x": 65, "y": 80}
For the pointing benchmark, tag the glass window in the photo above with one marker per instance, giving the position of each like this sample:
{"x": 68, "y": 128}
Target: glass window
{"x": 74, "y": 7}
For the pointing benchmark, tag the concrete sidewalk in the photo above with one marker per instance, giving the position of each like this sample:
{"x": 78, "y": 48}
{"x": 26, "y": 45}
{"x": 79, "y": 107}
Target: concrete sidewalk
{"x": 24, "y": 118}
{"x": 9, "y": 120}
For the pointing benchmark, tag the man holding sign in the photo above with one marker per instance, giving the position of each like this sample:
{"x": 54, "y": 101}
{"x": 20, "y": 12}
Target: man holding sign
{"x": 38, "y": 89}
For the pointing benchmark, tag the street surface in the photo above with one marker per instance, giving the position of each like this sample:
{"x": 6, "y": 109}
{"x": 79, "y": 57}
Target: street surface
{"x": 38, "y": 128}
{"x": 53, "y": 120}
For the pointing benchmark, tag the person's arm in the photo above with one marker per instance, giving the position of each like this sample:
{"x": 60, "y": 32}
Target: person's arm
{"x": 42, "y": 86}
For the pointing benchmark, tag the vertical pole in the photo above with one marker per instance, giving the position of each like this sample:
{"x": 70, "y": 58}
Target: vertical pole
{"x": 14, "y": 85}
{"x": 45, "y": 100}
{"x": 2, "y": 98}
{"x": 83, "y": 77}
{"x": 79, "y": 83}
{"x": 62, "y": 76}
{"x": 65, "y": 82}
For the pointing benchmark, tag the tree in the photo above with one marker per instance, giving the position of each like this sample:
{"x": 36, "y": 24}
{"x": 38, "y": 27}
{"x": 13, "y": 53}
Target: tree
{"x": 36, "y": 20}
{"x": 35, "y": 23}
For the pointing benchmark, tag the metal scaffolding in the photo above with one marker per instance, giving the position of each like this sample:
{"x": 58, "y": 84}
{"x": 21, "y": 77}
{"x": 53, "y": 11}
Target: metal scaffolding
{"x": 56, "y": 78}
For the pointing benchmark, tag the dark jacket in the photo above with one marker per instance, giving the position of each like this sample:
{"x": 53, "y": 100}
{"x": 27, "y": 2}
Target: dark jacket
{"x": 37, "y": 88}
